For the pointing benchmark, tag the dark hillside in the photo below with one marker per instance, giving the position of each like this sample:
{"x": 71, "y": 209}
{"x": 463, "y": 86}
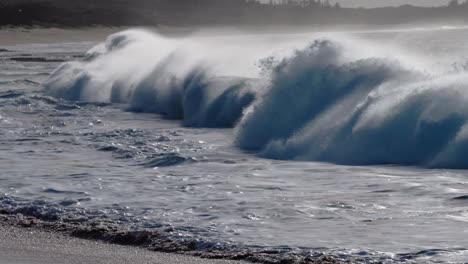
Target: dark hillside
{"x": 213, "y": 12}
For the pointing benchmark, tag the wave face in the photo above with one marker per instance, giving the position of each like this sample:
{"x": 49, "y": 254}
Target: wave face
{"x": 154, "y": 74}
{"x": 196, "y": 99}
{"x": 322, "y": 107}
{"x": 331, "y": 101}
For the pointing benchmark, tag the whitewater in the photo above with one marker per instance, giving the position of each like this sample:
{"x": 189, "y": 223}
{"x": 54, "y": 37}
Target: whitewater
{"x": 343, "y": 144}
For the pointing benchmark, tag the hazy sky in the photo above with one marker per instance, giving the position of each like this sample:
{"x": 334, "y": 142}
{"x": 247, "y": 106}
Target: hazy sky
{"x": 376, "y": 3}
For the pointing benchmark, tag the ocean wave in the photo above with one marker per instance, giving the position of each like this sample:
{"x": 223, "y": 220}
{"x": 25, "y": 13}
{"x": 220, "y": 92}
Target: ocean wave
{"x": 196, "y": 99}
{"x": 331, "y": 101}
{"x": 322, "y": 107}
{"x": 125, "y": 70}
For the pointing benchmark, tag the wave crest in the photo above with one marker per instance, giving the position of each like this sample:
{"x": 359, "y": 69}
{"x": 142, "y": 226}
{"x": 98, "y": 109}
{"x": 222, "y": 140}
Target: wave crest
{"x": 368, "y": 111}
{"x": 327, "y": 102}
{"x": 307, "y": 85}
{"x": 169, "y": 83}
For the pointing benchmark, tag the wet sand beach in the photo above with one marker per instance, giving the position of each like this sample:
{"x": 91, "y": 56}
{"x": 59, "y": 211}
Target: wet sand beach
{"x": 32, "y": 246}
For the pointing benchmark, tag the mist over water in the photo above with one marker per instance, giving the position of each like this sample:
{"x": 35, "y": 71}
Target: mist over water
{"x": 325, "y": 143}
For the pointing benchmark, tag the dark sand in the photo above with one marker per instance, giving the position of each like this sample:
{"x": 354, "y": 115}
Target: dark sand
{"x": 32, "y": 246}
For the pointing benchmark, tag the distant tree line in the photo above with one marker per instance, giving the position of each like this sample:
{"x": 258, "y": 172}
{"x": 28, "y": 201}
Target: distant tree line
{"x": 215, "y": 12}
{"x": 456, "y": 3}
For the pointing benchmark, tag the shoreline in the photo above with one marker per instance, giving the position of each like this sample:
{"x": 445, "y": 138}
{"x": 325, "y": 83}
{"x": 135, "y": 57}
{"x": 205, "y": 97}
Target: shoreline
{"x": 34, "y": 246}
{"x": 23, "y": 237}
{"x": 18, "y": 35}
{"x": 11, "y": 36}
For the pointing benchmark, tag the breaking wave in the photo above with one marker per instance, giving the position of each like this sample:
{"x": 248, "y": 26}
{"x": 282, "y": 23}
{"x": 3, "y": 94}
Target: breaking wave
{"x": 322, "y": 107}
{"x": 326, "y": 102}
{"x": 168, "y": 81}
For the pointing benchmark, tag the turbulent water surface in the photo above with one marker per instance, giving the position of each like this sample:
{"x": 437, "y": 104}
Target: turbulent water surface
{"x": 352, "y": 145}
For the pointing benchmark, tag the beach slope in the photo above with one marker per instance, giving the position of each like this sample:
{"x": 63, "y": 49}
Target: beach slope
{"x": 33, "y": 246}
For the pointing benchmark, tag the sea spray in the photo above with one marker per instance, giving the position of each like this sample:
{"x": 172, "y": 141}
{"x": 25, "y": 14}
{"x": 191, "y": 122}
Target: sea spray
{"x": 322, "y": 107}
{"x": 337, "y": 100}
{"x": 122, "y": 59}
{"x": 306, "y": 85}
{"x": 154, "y": 74}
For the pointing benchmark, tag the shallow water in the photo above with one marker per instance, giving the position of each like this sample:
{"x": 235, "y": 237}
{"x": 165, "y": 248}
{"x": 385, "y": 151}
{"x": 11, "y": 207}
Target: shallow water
{"x": 59, "y": 155}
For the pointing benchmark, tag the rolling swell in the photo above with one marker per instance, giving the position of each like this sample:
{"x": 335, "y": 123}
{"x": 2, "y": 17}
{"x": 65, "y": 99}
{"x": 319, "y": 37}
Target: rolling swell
{"x": 305, "y": 86}
{"x": 360, "y": 112}
{"x": 322, "y": 103}
{"x": 126, "y": 70}
{"x": 196, "y": 99}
